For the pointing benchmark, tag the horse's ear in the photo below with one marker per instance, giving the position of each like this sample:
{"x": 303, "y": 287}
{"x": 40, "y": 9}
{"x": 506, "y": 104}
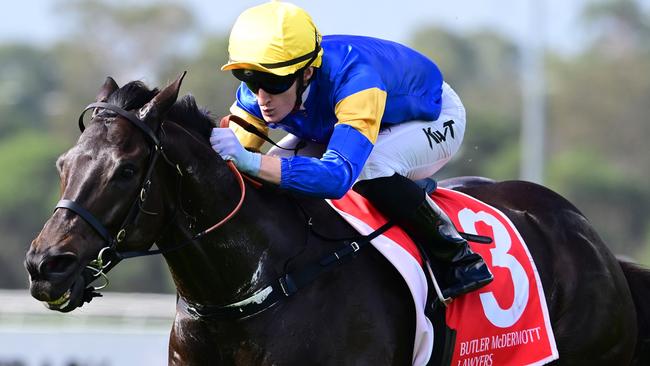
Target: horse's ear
{"x": 164, "y": 100}
{"x": 107, "y": 89}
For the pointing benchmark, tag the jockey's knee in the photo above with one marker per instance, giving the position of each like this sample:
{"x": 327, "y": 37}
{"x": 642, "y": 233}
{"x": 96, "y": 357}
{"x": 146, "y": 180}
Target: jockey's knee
{"x": 395, "y": 196}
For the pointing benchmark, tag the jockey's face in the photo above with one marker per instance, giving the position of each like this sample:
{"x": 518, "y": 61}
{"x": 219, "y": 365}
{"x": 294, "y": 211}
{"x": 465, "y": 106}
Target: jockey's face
{"x": 275, "y": 107}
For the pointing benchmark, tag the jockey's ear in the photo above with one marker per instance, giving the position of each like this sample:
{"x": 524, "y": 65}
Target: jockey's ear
{"x": 107, "y": 89}
{"x": 309, "y": 72}
{"x": 160, "y": 104}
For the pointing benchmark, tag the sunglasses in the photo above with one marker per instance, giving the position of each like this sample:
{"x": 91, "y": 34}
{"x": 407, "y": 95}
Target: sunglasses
{"x": 272, "y": 84}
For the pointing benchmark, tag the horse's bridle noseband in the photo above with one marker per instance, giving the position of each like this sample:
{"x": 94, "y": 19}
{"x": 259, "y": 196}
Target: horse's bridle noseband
{"x": 109, "y": 256}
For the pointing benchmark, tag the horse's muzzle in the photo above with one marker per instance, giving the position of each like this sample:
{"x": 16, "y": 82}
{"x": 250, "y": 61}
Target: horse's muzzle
{"x": 55, "y": 279}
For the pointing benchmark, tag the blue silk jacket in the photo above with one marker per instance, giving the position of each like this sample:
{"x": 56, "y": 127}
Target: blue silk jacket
{"x": 362, "y": 84}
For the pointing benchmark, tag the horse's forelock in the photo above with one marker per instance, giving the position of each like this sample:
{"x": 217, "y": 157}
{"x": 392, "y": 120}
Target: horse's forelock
{"x": 133, "y": 95}
{"x": 186, "y": 113}
{"x": 129, "y": 97}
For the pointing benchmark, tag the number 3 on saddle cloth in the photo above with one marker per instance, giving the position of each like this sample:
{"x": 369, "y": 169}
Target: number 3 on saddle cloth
{"x": 503, "y": 323}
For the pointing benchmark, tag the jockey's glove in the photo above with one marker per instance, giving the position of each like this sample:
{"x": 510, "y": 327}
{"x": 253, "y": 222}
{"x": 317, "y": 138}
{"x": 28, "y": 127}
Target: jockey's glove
{"x": 226, "y": 144}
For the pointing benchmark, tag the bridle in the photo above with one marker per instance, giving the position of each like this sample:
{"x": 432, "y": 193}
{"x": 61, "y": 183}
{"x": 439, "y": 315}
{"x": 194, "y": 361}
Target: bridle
{"x": 109, "y": 255}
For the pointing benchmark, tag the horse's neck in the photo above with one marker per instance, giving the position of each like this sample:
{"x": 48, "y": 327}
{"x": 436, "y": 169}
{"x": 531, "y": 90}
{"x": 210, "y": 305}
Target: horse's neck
{"x": 238, "y": 258}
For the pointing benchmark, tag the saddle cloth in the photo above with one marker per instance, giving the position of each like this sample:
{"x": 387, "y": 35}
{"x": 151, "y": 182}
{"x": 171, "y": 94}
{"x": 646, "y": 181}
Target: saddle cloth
{"x": 503, "y": 323}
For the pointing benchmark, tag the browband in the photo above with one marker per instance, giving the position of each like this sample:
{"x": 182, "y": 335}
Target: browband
{"x": 126, "y": 114}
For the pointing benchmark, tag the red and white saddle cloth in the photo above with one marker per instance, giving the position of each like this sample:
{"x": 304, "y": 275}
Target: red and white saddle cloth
{"x": 504, "y": 323}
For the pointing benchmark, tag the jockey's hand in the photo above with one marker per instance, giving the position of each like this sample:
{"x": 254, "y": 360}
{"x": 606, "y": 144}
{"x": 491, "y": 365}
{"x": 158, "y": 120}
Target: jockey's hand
{"x": 226, "y": 144}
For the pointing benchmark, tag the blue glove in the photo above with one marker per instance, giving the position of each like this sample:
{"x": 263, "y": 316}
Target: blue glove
{"x": 226, "y": 144}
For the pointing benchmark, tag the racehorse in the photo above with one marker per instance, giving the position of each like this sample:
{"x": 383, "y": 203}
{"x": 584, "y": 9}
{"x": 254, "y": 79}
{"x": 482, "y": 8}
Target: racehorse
{"x": 143, "y": 173}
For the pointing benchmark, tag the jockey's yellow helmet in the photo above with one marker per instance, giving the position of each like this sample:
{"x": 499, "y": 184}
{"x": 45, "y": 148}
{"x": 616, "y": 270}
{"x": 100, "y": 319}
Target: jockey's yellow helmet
{"x": 276, "y": 37}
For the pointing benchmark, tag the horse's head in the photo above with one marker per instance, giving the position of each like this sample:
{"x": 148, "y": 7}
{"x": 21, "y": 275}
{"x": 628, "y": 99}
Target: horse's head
{"x": 107, "y": 198}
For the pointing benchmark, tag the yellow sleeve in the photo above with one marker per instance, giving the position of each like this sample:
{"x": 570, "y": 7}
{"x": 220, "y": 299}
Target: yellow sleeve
{"x": 363, "y": 111}
{"x": 247, "y": 139}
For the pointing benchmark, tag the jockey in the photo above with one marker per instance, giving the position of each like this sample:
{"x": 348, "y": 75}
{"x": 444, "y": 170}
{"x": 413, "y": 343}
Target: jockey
{"x": 360, "y": 112}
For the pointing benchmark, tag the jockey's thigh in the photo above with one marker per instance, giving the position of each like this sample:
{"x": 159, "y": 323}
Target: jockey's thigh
{"x": 418, "y": 149}
{"x": 307, "y": 148}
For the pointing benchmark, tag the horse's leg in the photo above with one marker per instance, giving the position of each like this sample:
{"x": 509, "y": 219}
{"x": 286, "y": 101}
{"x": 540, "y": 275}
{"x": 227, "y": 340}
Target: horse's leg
{"x": 591, "y": 309}
{"x": 638, "y": 279}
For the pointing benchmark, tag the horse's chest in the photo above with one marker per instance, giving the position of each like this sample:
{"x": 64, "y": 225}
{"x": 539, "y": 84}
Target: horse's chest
{"x": 198, "y": 342}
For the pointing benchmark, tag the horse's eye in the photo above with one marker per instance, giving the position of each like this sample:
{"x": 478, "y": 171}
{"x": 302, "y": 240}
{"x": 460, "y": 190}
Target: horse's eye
{"x": 127, "y": 172}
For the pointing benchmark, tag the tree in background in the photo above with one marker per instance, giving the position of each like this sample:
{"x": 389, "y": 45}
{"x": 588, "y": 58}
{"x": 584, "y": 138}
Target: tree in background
{"x": 27, "y": 187}
{"x": 49, "y": 88}
{"x": 597, "y": 103}
{"x": 27, "y": 86}
{"x": 482, "y": 68}
{"x": 131, "y": 41}
{"x": 213, "y": 88}
{"x": 598, "y": 108}
{"x": 621, "y": 26}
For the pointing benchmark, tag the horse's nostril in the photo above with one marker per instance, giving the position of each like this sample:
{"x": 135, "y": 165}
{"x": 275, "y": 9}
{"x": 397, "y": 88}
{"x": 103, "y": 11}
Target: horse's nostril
{"x": 58, "y": 265}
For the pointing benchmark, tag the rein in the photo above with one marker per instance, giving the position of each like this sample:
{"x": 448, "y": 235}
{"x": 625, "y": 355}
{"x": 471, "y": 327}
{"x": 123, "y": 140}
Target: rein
{"x": 248, "y": 127}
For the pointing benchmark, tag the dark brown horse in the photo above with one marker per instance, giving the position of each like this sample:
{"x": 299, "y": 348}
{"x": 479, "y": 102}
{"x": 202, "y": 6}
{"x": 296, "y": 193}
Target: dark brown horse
{"x": 149, "y": 176}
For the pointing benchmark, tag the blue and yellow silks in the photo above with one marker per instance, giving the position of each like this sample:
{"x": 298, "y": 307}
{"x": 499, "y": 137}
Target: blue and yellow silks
{"x": 363, "y": 84}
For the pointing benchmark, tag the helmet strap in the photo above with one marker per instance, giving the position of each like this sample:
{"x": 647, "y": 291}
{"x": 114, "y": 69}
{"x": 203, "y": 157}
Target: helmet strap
{"x": 300, "y": 74}
{"x": 300, "y": 79}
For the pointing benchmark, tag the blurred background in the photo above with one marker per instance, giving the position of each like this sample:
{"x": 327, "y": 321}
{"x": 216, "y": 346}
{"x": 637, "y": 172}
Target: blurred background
{"x": 556, "y": 92}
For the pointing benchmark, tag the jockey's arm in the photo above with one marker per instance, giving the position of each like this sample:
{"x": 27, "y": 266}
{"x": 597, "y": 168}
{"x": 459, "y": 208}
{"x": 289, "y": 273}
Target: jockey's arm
{"x": 359, "y": 116}
{"x": 328, "y": 177}
{"x": 270, "y": 169}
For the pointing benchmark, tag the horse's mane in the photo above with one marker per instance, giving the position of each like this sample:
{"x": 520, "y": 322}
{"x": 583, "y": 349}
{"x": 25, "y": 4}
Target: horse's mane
{"x": 185, "y": 111}
{"x": 191, "y": 116}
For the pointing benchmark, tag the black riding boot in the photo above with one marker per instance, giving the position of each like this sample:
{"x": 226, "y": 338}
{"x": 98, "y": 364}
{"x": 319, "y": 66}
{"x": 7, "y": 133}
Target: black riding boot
{"x": 402, "y": 200}
{"x": 466, "y": 270}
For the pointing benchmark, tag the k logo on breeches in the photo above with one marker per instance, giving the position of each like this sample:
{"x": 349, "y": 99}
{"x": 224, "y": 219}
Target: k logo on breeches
{"x": 437, "y": 136}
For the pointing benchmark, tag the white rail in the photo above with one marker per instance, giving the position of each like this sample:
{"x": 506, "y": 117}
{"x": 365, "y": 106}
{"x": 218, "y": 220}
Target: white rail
{"x": 17, "y": 307}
